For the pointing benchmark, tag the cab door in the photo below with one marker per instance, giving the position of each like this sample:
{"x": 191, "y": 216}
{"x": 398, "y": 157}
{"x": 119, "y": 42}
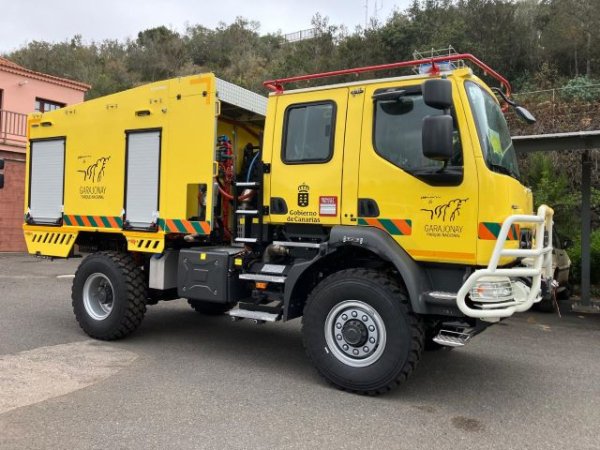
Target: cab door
{"x": 429, "y": 210}
{"x": 307, "y": 157}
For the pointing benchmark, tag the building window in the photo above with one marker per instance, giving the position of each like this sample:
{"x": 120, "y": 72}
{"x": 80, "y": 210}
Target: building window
{"x": 42, "y": 105}
{"x": 308, "y": 135}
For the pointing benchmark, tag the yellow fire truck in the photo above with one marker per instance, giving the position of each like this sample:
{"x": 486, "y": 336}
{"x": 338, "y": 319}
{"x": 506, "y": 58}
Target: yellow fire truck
{"x": 388, "y": 213}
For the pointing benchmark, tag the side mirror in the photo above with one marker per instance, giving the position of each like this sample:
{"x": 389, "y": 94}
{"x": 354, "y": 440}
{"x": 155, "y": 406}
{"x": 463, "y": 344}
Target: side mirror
{"x": 437, "y": 93}
{"x": 437, "y": 137}
{"x": 525, "y": 115}
{"x": 567, "y": 243}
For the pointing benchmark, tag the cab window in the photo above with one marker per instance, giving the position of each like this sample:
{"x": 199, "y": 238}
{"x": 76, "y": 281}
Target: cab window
{"x": 397, "y": 130}
{"x": 497, "y": 146}
{"x": 308, "y": 133}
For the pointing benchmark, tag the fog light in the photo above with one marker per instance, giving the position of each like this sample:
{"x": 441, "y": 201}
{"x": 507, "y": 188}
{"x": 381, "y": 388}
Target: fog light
{"x": 492, "y": 289}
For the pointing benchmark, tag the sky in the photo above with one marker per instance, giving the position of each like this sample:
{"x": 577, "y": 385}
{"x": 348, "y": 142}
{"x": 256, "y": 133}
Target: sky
{"x": 22, "y": 21}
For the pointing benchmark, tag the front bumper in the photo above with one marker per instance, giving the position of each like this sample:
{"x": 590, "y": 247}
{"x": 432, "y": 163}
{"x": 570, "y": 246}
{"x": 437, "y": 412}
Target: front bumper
{"x": 525, "y": 294}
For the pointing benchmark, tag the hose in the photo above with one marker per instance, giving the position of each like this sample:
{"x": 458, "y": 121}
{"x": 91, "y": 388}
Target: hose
{"x": 249, "y": 174}
{"x": 228, "y": 196}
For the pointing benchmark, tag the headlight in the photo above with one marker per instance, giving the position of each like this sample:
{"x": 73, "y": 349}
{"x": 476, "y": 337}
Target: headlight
{"x": 492, "y": 289}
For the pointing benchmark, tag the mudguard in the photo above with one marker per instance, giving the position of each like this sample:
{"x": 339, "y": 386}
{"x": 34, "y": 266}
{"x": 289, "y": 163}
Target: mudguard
{"x": 380, "y": 243}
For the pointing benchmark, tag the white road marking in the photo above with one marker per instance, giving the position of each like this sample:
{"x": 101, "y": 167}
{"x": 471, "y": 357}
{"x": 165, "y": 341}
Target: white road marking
{"x": 22, "y": 277}
{"x": 36, "y": 375}
{"x": 60, "y": 277}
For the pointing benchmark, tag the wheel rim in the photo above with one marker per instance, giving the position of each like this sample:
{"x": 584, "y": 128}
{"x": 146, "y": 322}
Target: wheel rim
{"x": 98, "y": 296}
{"x": 355, "y": 333}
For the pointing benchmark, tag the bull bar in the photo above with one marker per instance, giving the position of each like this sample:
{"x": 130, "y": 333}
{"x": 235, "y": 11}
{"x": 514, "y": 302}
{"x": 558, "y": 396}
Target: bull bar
{"x": 540, "y": 268}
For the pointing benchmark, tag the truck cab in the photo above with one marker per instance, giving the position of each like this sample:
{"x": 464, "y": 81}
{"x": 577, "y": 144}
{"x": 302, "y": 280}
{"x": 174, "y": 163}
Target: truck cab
{"x": 388, "y": 213}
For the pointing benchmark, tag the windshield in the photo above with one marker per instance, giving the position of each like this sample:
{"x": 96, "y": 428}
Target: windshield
{"x": 496, "y": 144}
{"x": 397, "y": 132}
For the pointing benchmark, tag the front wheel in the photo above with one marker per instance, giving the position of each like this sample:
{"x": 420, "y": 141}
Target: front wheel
{"x": 360, "y": 333}
{"x": 109, "y": 295}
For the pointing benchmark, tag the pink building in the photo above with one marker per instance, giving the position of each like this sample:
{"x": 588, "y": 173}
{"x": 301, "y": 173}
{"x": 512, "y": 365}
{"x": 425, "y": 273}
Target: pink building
{"x": 23, "y": 91}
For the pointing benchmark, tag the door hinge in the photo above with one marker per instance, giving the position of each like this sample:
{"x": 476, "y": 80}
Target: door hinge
{"x": 266, "y": 167}
{"x": 265, "y": 210}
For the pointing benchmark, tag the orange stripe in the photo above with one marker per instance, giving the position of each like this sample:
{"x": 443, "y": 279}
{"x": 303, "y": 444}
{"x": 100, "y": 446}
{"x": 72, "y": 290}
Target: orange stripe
{"x": 188, "y": 226}
{"x": 403, "y": 226}
{"x": 205, "y": 227}
{"x": 171, "y": 226}
{"x": 484, "y": 233}
{"x": 86, "y": 221}
{"x": 113, "y": 222}
{"x": 98, "y": 221}
{"x": 516, "y": 232}
{"x": 374, "y": 223}
{"x": 437, "y": 254}
{"x": 73, "y": 221}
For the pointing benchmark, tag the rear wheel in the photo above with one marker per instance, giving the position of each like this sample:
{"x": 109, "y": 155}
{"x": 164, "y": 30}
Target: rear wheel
{"x": 360, "y": 333}
{"x": 109, "y": 295}
{"x": 209, "y": 308}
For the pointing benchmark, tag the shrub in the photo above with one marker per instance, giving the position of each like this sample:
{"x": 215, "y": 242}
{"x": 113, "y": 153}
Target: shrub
{"x": 575, "y": 255}
{"x": 581, "y": 88}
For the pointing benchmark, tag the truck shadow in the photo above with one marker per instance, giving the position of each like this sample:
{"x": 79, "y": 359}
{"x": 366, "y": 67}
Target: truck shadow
{"x": 461, "y": 379}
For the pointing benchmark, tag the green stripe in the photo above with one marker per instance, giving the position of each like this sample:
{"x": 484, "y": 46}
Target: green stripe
{"x": 119, "y": 221}
{"x": 493, "y": 228}
{"x": 92, "y": 221}
{"x": 105, "y": 222}
{"x": 179, "y": 226}
{"x": 197, "y": 227}
{"x": 79, "y": 221}
{"x": 390, "y": 227}
{"x": 362, "y": 221}
{"x": 66, "y": 220}
{"x": 161, "y": 224}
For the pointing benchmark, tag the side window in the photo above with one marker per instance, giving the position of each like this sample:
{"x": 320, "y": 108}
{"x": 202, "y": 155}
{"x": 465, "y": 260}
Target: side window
{"x": 308, "y": 133}
{"x": 397, "y": 131}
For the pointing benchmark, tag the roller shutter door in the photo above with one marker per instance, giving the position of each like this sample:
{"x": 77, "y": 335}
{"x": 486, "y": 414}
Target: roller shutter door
{"x": 47, "y": 180}
{"x": 143, "y": 160}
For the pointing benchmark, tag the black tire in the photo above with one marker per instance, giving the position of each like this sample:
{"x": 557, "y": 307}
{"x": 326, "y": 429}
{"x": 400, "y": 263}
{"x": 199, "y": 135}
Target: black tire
{"x": 565, "y": 294}
{"x": 127, "y": 291}
{"x": 545, "y": 305}
{"x": 209, "y": 308}
{"x": 403, "y": 330}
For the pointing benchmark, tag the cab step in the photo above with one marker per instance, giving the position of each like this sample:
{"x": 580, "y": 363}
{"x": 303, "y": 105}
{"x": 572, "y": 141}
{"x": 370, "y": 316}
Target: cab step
{"x": 454, "y": 338}
{"x": 257, "y": 316}
{"x": 247, "y": 184}
{"x": 262, "y": 277}
{"x": 298, "y": 244}
{"x": 246, "y": 240}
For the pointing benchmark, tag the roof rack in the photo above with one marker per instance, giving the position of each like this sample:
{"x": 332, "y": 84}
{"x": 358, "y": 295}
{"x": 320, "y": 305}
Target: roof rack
{"x": 277, "y": 85}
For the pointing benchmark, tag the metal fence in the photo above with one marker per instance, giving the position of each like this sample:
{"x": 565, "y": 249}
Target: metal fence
{"x": 301, "y": 35}
{"x": 13, "y": 126}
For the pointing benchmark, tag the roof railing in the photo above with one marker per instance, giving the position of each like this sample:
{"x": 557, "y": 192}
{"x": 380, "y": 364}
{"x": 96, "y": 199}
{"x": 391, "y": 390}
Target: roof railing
{"x": 277, "y": 85}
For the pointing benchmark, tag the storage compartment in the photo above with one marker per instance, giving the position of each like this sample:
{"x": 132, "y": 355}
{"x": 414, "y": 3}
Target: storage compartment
{"x": 209, "y": 275}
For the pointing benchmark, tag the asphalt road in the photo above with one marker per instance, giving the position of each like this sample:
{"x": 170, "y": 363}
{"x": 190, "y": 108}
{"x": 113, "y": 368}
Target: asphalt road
{"x": 184, "y": 380}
